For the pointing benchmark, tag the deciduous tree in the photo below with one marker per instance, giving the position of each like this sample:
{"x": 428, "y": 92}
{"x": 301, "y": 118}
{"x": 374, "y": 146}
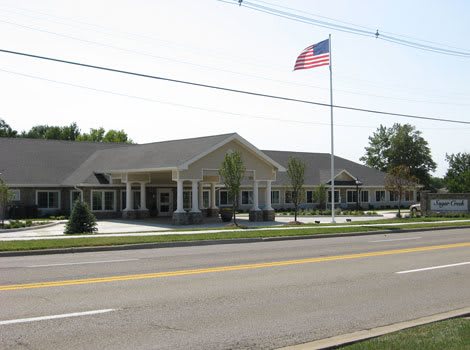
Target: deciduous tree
{"x": 232, "y": 171}
{"x": 398, "y": 180}
{"x": 457, "y": 178}
{"x": 296, "y": 174}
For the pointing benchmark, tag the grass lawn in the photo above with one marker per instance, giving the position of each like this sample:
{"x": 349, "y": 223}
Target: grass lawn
{"x": 450, "y": 335}
{"x": 88, "y": 240}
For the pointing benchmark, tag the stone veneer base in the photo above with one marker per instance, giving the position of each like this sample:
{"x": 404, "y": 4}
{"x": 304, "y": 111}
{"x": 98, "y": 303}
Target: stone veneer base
{"x": 269, "y": 215}
{"x": 135, "y": 214}
{"x": 256, "y": 215}
{"x": 187, "y": 218}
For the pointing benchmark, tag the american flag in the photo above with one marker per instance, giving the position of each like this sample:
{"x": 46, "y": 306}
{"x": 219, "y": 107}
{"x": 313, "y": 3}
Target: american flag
{"x": 314, "y": 56}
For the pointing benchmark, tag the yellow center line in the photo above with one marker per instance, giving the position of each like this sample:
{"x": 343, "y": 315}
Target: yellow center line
{"x": 229, "y": 268}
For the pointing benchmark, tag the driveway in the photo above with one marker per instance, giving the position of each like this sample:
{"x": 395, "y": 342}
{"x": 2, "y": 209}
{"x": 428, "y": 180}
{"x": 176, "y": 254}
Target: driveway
{"x": 164, "y": 224}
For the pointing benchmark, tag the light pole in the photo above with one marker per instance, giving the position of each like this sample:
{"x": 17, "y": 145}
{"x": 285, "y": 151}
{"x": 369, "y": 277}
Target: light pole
{"x": 358, "y": 183}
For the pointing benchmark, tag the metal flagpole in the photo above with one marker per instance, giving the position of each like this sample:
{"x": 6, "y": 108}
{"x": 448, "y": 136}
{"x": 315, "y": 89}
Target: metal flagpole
{"x": 332, "y": 140}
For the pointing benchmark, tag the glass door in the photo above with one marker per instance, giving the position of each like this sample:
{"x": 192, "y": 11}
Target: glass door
{"x": 165, "y": 202}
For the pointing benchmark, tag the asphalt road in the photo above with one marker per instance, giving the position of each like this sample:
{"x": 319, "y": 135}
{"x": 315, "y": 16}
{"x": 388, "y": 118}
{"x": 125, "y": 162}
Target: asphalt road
{"x": 243, "y": 296}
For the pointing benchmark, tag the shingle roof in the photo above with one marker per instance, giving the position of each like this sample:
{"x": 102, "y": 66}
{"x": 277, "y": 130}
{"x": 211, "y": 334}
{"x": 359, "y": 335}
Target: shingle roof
{"x": 318, "y": 168}
{"x": 46, "y": 162}
{"x": 165, "y": 154}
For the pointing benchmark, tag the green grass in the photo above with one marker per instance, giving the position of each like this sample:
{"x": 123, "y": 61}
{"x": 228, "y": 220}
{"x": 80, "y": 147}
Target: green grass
{"x": 89, "y": 241}
{"x": 450, "y": 335}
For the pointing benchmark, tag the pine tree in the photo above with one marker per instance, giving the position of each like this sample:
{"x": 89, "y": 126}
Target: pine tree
{"x": 81, "y": 219}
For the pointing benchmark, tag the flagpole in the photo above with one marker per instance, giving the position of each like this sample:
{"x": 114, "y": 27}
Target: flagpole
{"x": 332, "y": 139}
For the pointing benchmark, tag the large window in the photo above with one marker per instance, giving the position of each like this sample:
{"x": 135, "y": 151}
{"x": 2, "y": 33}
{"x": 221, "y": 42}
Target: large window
{"x": 408, "y": 196}
{"x": 16, "y": 195}
{"x": 288, "y": 197}
{"x": 393, "y": 196}
{"x": 187, "y": 195}
{"x": 103, "y": 200}
{"x": 247, "y": 197}
{"x": 48, "y": 199}
{"x": 336, "y": 196}
{"x": 275, "y": 197}
{"x": 380, "y": 196}
{"x": 351, "y": 196}
{"x": 223, "y": 198}
{"x": 309, "y": 197}
{"x": 206, "y": 201}
{"x": 364, "y": 196}
{"x": 135, "y": 197}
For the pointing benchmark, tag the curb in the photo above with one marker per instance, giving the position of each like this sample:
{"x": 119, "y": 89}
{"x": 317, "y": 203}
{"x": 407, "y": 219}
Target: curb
{"x": 351, "y": 338}
{"x": 50, "y": 224}
{"x": 212, "y": 242}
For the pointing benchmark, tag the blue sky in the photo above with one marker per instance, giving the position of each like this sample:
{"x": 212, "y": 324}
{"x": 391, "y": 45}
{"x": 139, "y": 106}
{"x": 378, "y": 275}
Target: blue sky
{"x": 212, "y": 42}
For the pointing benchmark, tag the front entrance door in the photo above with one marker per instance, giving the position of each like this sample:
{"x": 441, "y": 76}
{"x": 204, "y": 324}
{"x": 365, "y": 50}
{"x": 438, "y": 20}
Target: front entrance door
{"x": 164, "y": 201}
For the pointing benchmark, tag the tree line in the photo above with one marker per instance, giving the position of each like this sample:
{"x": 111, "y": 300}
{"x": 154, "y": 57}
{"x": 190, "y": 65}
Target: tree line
{"x": 69, "y": 133}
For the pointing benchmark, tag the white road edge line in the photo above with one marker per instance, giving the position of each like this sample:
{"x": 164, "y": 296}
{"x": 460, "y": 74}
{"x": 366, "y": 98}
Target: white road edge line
{"x": 434, "y": 267}
{"x": 52, "y": 317}
{"x": 84, "y": 263}
{"x": 395, "y": 239}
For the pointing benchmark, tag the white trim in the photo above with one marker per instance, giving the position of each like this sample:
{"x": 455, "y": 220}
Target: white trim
{"x": 58, "y": 199}
{"x": 368, "y": 196}
{"x": 384, "y": 199}
{"x": 103, "y": 201}
{"x": 143, "y": 170}
{"x": 252, "y": 197}
{"x": 285, "y": 197}
{"x": 352, "y": 191}
{"x": 278, "y": 197}
{"x": 313, "y": 197}
{"x": 333, "y": 196}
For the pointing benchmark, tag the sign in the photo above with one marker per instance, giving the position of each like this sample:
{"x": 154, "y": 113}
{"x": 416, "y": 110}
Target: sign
{"x": 449, "y": 205}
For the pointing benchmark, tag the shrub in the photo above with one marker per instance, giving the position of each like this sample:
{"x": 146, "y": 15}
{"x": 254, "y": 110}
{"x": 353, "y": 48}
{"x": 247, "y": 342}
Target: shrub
{"x": 81, "y": 219}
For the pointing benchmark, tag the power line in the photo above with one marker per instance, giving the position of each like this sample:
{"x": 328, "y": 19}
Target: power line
{"x": 221, "y": 88}
{"x": 406, "y": 99}
{"x": 349, "y": 29}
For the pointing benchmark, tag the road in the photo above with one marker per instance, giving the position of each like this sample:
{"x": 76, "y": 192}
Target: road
{"x": 237, "y": 296}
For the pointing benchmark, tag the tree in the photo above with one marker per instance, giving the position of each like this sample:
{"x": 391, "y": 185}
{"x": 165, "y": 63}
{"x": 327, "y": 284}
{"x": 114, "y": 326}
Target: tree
{"x": 398, "y": 180}
{"x": 116, "y": 136}
{"x": 6, "y": 130}
{"x": 296, "y": 174}
{"x": 100, "y": 135}
{"x": 232, "y": 171}
{"x": 320, "y": 196}
{"x": 457, "y": 178}
{"x": 400, "y": 145}
{"x": 6, "y": 195}
{"x": 48, "y": 132}
{"x": 436, "y": 183}
{"x": 81, "y": 219}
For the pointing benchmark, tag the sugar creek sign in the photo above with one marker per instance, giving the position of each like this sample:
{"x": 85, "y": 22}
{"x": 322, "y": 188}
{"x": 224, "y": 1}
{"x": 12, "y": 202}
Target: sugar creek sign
{"x": 449, "y": 205}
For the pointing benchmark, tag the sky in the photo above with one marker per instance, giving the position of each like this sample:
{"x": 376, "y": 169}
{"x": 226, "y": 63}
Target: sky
{"x": 213, "y": 42}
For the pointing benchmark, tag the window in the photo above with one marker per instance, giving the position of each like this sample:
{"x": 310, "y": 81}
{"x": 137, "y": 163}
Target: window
{"x": 309, "y": 196}
{"x": 48, "y": 199}
{"x": 223, "y": 198}
{"x": 187, "y": 195}
{"x": 136, "y": 199}
{"x": 351, "y": 196}
{"x": 336, "y": 196}
{"x": 364, "y": 196}
{"x": 288, "y": 197}
{"x": 275, "y": 197}
{"x": 74, "y": 196}
{"x": 16, "y": 195}
{"x": 380, "y": 196}
{"x": 393, "y": 196}
{"x": 103, "y": 200}
{"x": 206, "y": 201}
{"x": 247, "y": 197}
{"x": 408, "y": 196}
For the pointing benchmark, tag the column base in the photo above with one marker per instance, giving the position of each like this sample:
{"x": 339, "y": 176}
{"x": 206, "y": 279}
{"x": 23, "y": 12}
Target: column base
{"x": 213, "y": 212}
{"x": 269, "y": 215}
{"x": 256, "y": 215}
{"x": 185, "y": 218}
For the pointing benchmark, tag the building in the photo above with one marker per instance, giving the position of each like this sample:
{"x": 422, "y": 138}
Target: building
{"x": 177, "y": 178}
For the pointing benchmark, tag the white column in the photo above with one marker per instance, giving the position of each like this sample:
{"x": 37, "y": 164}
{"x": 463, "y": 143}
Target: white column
{"x": 179, "y": 196}
{"x": 195, "y": 197}
{"x": 268, "y": 195}
{"x": 143, "y": 198}
{"x": 213, "y": 201}
{"x": 201, "y": 199}
{"x": 129, "y": 199}
{"x": 255, "y": 195}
